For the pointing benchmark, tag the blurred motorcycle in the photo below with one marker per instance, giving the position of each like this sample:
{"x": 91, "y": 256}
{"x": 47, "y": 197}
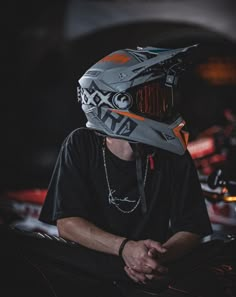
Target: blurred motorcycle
{"x": 214, "y": 155}
{"x": 220, "y": 195}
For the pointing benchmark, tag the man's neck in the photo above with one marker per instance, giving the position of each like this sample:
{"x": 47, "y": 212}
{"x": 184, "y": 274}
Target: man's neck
{"x": 121, "y": 148}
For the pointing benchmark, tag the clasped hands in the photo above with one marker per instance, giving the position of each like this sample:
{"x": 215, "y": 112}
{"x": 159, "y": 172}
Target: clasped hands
{"x": 143, "y": 260}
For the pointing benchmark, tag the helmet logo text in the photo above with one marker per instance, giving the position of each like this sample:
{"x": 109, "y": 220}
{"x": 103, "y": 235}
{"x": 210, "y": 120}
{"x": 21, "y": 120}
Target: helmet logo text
{"x": 94, "y": 96}
{"x": 127, "y": 128}
{"x": 117, "y": 123}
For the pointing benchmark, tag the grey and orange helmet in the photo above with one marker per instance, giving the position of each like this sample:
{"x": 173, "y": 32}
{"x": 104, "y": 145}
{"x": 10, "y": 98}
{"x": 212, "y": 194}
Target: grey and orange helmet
{"x": 129, "y": 94}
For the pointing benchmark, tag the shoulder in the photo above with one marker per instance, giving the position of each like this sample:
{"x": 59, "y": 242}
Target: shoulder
{"x": 82, "y": 137}
{"x": 178, "y": 162}
{"x": 184, "y": 160}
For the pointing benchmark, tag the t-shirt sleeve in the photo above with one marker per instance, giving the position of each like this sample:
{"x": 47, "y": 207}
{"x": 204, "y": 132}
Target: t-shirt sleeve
{"x": 68, "y": 192}
{"x": 189, "y": 211}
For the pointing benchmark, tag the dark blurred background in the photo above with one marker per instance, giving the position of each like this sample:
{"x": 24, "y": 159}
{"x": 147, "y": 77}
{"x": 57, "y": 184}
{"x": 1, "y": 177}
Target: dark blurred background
{"x": 48, "y": 45}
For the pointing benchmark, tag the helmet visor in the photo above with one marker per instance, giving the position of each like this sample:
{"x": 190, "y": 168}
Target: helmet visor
{"x": 153, "y": 100}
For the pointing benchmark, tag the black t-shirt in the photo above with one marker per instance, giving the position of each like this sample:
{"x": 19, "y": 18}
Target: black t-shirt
{"x": 79, "y": 187}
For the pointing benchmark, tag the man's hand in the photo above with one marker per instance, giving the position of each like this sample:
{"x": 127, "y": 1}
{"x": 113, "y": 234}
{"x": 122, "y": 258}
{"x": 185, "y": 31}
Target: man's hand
{"x": 141, "y": 259}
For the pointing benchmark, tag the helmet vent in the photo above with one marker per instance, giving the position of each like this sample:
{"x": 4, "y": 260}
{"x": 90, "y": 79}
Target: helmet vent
{"x": 93, "y": 73}
{"x": 168, "y": 137}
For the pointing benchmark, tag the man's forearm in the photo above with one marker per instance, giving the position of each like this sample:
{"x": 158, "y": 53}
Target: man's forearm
{"x": 87, "y": 234}
{"x": 178, "y": 245}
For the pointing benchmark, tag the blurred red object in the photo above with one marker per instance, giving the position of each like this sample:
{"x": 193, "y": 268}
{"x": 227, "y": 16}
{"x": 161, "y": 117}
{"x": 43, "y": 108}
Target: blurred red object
{"x": 36, "y": 196}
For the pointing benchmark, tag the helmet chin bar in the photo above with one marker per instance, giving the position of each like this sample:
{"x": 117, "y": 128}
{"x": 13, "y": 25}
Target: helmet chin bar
{"x": 162, "y": 135}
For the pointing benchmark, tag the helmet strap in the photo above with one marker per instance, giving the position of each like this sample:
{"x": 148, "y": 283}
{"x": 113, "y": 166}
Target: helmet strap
{"x": 138, "y": 157}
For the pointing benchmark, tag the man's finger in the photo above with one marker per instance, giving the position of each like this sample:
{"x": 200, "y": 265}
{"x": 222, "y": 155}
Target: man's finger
{"x": 162, "y": 269}
{"x": 136, "y": 275}
{"x": 150, "y": 276}
{"x": 153, "y": 266}
{"x": 144, "y": 269}
{"x": 130, "y": 275}
{"x": 152, "y": 253}
{"x": 157, "y": 246}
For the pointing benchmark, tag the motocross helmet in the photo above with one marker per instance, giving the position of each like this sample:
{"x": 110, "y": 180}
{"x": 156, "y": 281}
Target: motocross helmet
{"x": 129, "y": 94}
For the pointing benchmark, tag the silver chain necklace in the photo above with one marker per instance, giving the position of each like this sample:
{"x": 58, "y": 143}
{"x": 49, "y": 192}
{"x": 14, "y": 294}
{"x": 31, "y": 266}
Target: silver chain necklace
{"x": 115, "y": 200}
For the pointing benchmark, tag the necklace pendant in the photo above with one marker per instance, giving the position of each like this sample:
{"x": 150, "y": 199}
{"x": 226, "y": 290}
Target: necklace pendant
{"x": 124, "y": 205}
{"x": 110, "y": 197}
